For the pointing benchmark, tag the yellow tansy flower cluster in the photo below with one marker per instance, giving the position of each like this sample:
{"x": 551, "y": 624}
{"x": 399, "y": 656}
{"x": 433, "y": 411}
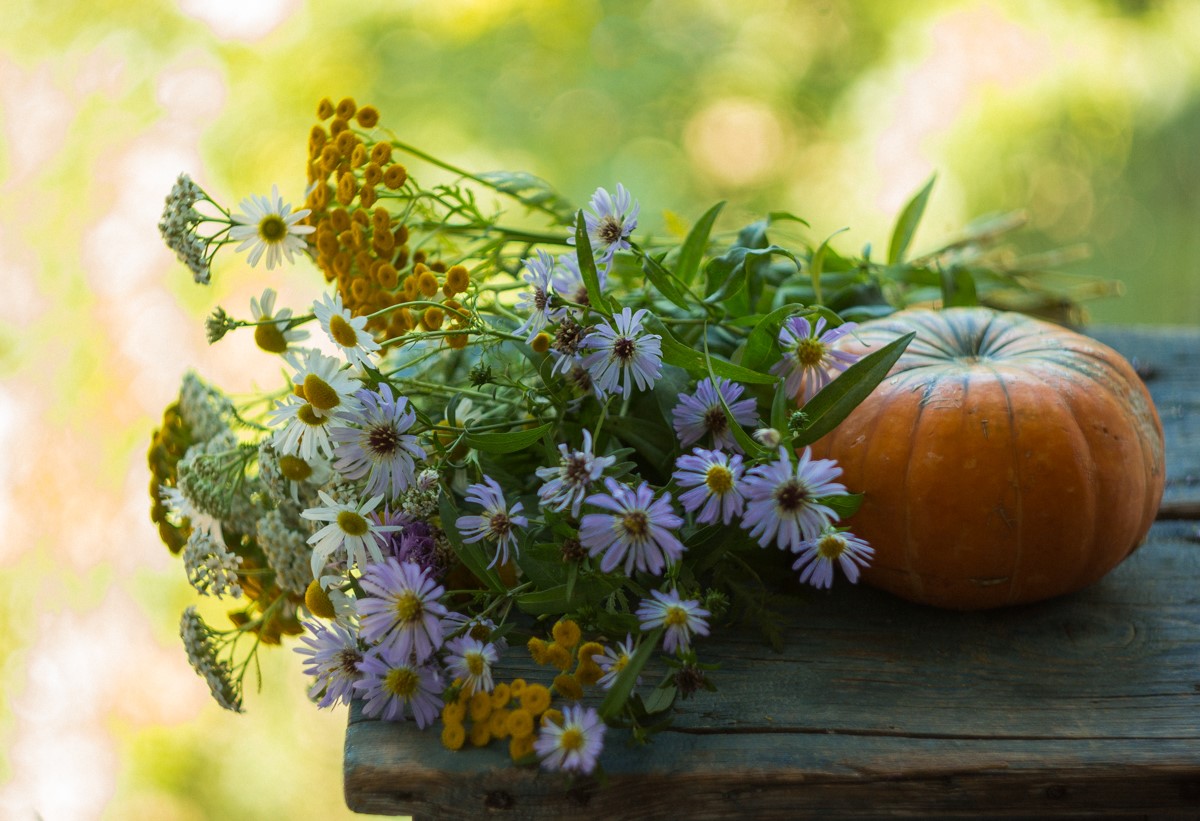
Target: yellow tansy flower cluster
{"x": 562, "y": 653}
{"x": 359, "y": 244}
{"x": 512, "y": 712}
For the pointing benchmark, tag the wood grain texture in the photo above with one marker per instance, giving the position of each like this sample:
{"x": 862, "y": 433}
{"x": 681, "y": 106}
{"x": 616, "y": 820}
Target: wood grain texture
{"x": 1087, "y": 705}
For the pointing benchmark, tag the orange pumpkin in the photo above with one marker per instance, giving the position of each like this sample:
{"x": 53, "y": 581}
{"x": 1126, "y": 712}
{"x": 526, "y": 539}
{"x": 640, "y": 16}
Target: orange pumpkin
{"x": 1003, "y": 460}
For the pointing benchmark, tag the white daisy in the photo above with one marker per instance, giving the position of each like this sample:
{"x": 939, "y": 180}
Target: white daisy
{"x": 325, "y": 382}
{"x": 268, "y": 225}
{"x": 347, "y": 332}
{"x": 271, "y": 333}
{"x": 348, "y": 527}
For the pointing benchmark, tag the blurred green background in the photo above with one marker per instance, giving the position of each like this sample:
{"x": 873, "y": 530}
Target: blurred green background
{"x": 1085, "y": 114}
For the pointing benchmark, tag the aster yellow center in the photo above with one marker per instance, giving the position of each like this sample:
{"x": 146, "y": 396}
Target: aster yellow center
{"x": 475, "y": 664}
{"x": 831, "y": 546}
{"x": 269, "y": 338}
{"x": 571, "y": 740}
{"x": 294, "y": 468}
{"x": 675, "y": 617}
{"x": 401, "y": 682}
{"x": 308, "y": 415}
{"x": 408, "y": 606}
{"x": 343, "y": 332}
{"x": 718, "y": 479}
{"x": 810, "y": 351}
{"x": 319, "y": 394}
{"x": 351, "y": 523}
{"x": 635, "y": 523}
{"x": 272, "y": 228}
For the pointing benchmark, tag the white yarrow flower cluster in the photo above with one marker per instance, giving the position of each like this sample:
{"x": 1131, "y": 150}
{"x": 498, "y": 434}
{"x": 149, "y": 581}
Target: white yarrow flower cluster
{"x": 178, "y": 228}
{"x": 197, "y": 641}
{"x": 211, "y": 568}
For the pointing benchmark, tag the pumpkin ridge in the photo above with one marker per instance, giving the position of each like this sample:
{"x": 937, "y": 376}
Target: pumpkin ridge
{"x": 1018, "y": 514}
{"x": 910, "y": 548}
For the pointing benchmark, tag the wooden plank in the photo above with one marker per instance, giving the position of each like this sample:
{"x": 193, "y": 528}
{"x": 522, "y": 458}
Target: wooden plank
{"x": 1088, "y": 704}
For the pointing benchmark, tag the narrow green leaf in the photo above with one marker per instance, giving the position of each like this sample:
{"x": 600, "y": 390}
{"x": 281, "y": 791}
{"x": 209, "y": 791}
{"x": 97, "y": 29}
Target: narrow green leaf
{"x": 506, "y": 441}
{"x": 661, "y": 698}
{"x": 817, "y": 264}
{"x": 781, "y": 409}
{"x": 681, "y": 356}
{"x": 614, "y": 702}
{"x": 471, "y": 555}
{"x": 786, "y": 216}
{"x": 587, "y": 266}
{"x": 757, "y": 355}
{"x": 663, "y": 280}
{"x": 749, "y": 446}
{"x": 844, "y": 506}
{"x": 906, "y": 225}
{"x": 692, "y": 250}
{"x": 836, "y": 400}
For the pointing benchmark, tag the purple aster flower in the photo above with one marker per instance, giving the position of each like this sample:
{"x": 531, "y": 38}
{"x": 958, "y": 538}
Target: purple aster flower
{"x": 818, "y": 555}
{"x": 622, "y": 354}
{"x": 537, "y": 299}
{"x": 808, "y": 358}
{"x": 613, "y": 661}
{"x": 377, "y": 446}
{"x": 782, "y": 502}
{"x": 610, "y": 224}
{"x": 471, "y": 660}
{"x": 401, "y": 612}
{"x": 391, "y": 687}
{"x": 574, "y": 745}
{"x": 414, "y": 540}
{"x": 681, "y": 618}
{"x": 568, "y": 281}
{"x": 700, "y": 414}
{"x": 714, "y": 478}
{"x": 333, "y": 658}
{"x": 637, "y": 531}
{"x": 567, "y": 484}
{"x": 498, "y": 522}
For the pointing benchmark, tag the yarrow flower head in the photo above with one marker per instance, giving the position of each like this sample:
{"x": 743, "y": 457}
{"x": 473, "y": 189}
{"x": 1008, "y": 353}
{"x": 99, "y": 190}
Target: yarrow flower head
{"x": 681, "y": 618}
{"x": 574, "y": 745}
{"x": 471, "y": 660}
{"x": 783, "y": 502}
{"x": 536, "y": 301}
{"x": 499, "y": 523}
{"x": 817, "y": 557}
{"x": 623, "y": 354}
{"x": 401, "y": 612}
{"x": 266, "y": 225}
{"x": 567, "y": 484}
{"x": 809, "y": 361}
{"x": 349, "y": 333}
{"x": 271, "y": 333}
{"x": 332, "y": 658}
{"x": 372, "y": 441}
{"x": 178, "y": 228}
{"x": 348, "y": 527}
{"x": 611, "y": 222}
{"x": 637, "y": 532}
{"x": 393, "y": 686}
{"x": 714, "y": 479}
{"x": 700, "y": 414}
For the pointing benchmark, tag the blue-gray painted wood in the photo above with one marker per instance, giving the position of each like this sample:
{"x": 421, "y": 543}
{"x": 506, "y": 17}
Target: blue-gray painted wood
{"x": 1084, "y": 705}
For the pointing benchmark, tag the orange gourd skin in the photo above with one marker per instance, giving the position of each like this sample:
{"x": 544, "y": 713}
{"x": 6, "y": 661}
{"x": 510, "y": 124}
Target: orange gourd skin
{"x": 1003, "y": 460}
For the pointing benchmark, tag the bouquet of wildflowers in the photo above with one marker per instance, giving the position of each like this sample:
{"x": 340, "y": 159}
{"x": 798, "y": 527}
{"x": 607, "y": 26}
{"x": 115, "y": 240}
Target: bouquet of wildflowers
{"x": 566, "y": 440}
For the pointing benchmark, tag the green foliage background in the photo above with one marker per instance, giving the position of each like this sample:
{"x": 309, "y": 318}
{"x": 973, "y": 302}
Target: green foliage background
{"x": 1083, "y": 113}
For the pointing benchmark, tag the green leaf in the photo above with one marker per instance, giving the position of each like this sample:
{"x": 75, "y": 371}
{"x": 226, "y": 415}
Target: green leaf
{"x": 762, "y": 342}
{"x": 692, "y": 250}
{"x": 471, "y": 555}
{"x": 729, "y": 273}
{"x": 506, "y": 441}
{"x": 748, "y": 445}
{"x": 587, "y": 266}
{"x": 663, "y": 280}
{"x": 614, "y": 702}
{"x": 844, "y": 505}
{"x": 781, "y": 409}
{"x": 958, "y": 289}
{"x": 661, "y": 698}
{"x": 529, "y": 190}
{"x": 906, "y": 225}
{"x": 836, "y": 400}
{"x": 817, "y": 264}
{"x": 786, "y": 216}
{"x": 681, "y": 356}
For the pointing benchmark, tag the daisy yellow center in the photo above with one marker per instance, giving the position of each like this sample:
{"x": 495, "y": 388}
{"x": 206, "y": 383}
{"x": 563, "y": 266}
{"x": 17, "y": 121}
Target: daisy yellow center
{"x": 791, "y": 497}
{"x": 675, "y": 616}
{"x": 810, "y": 351}
{"x": 343, "y": 332}
{"x": 571, "y": 740}
{"x": 718, "y": 479}
{"x": 402, "y": 682}
{"x": 831, "y": 546}
{"x": 319, "y": 393}
{"x": 408, "y": 606}
{"x": 475, "y": 664}
{"x": 308, "y": 415}
{"x": 272, "y": 228}
{"x": 294, "y": 468}
{"x": 269, "y": 338}
{"x": 635, "y": 523}
{"x": 620, "y": 663}
{"x": 351, "y": 523}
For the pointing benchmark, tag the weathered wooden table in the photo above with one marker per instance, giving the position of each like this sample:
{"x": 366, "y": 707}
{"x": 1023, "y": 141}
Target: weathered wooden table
{"x": 1086, "y": 705}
